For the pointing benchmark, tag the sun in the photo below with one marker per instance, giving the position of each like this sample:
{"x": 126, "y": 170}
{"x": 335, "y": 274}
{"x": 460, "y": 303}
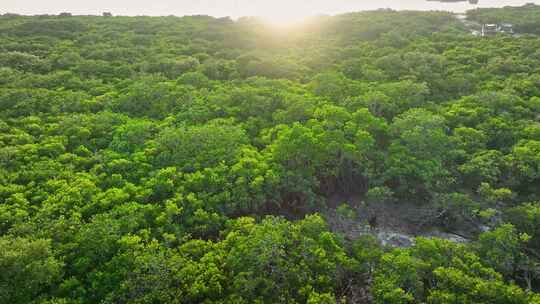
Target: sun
{"x": 281, "y": 12}
{"x": 283, "y": 18}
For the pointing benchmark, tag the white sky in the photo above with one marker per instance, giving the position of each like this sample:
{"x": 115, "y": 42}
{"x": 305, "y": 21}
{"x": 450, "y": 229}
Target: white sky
{"x": 276, "y": 10}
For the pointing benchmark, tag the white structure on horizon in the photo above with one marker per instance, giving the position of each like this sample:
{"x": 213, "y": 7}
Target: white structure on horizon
{"x": 494, "y": 29}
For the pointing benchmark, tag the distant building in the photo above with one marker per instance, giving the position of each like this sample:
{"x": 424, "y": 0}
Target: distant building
{"x": 107, "y": 14}
{"x": 506, "y": 28}
{"x": 494, "y": 29}
{"x": 489, "y": 30}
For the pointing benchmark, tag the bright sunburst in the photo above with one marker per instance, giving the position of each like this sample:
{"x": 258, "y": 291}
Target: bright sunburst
{"x": 283, "y": 18}
{"x": 283, "y": 12}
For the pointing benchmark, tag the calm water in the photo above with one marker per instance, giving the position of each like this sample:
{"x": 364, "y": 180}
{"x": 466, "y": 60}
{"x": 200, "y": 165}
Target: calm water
{"x": 276, "y": 9}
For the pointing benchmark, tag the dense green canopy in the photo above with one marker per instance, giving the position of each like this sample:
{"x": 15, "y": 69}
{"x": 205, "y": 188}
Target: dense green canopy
{"x": 197, "y": 160}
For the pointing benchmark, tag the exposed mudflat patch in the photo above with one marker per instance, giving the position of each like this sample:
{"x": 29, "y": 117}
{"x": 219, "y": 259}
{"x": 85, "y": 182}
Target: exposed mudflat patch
{"x": 394, "y": 224}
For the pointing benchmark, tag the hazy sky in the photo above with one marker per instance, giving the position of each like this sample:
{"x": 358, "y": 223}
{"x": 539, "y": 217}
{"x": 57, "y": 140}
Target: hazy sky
{"x": 273, "y": 9}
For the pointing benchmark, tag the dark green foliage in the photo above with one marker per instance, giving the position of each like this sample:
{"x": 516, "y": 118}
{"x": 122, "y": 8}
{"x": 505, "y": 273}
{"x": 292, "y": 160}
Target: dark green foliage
{"x": 28, "y": 268}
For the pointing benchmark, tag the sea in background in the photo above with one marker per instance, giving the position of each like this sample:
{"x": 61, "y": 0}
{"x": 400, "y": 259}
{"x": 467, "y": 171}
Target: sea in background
{"x": 277, "y": 9}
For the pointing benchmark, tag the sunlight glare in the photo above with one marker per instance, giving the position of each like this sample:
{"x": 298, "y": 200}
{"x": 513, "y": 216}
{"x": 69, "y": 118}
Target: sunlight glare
{"x": 284, "y": 13}
{"x": 283, "y": 18}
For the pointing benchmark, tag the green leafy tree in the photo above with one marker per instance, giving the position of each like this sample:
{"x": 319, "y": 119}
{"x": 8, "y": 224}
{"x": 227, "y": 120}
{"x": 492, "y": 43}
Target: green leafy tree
{"x": 29, "y": 269}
